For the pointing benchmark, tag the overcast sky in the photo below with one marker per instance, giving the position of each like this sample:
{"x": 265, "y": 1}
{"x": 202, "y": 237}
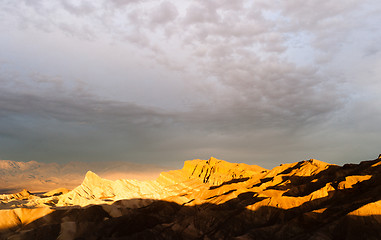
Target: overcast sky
{"x": 261, "y": 82}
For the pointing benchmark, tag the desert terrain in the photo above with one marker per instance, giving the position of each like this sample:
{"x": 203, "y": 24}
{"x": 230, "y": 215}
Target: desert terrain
{"x": 206, "y": 199}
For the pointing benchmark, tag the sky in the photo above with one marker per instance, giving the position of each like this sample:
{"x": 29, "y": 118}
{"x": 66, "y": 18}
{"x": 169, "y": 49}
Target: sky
{"x": 159, "y": 82}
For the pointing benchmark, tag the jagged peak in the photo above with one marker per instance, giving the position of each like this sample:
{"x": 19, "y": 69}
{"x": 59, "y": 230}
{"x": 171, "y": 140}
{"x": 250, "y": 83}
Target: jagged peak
{"x": 316, "y": 162}
{"x": 21, "y": 195}
{"x": 213, "y": 161}
{"x": 24, "y": 194}
{"x": 301, "y": 168}
{"x": 216, "y": 171}
{"x": 92, "y": 178}
{"x": 91, "y": 174}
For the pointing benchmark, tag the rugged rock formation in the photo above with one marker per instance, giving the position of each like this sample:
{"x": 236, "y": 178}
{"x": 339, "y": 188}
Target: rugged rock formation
{"x": 212, "y": 171}
{"x": 210, "y": 199}
{"x": 23, "y": 195}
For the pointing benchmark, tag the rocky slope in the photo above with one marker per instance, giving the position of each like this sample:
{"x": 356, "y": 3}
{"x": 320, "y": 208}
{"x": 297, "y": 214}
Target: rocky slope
{"x": 210, "y": 199}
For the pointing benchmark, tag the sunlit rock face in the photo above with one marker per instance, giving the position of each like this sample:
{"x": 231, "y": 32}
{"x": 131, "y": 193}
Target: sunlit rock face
{"x": 208, "y": 199}
{"x": 216, "y": 172}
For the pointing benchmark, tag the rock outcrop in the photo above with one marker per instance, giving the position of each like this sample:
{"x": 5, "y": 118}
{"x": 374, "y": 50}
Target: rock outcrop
{"x": 216, "y": 172}
{"x": 209, "y": 199}
{"x": 96, "y": 190}
{"x": 23, "y": 195}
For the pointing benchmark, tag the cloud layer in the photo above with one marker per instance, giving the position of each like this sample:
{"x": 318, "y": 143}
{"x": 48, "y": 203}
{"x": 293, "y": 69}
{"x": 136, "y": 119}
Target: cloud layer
{"x": 165, "y": 81}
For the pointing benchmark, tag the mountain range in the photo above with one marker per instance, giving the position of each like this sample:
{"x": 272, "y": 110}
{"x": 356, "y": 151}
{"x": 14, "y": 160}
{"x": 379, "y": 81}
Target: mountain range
{"x": 42, "y": 177}
{"x": 207, "y": 199}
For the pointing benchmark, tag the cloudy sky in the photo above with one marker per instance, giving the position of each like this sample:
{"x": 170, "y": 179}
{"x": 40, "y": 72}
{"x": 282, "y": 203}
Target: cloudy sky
{"x": 261, "y": 82}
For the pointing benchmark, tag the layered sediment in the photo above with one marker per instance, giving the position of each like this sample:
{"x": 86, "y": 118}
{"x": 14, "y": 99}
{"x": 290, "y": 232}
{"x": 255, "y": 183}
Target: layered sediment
{"x": 208, "y": 199}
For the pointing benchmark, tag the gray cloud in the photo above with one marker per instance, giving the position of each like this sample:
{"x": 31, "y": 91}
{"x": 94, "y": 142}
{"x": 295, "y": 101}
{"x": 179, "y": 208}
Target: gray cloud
{"x": 66, "y": 128}
{"x": 78, "y": 8}
{"x": 123, "y": 3}
{"x": 253, "y": 79}
{"x": 197, "y": 14}
{"x": 164, "y": 13}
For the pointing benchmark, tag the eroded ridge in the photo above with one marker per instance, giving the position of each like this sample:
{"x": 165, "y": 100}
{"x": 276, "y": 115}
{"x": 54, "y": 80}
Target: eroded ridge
{"x": 208, "y": 199}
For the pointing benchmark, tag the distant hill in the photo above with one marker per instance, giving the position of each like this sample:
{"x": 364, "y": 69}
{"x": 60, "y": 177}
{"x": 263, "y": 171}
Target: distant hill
{"x": 41, "y": 177}
{"x": 208, "y": 199}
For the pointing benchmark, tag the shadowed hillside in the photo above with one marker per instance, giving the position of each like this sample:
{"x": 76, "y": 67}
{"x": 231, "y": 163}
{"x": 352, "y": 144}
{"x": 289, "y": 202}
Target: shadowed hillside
{"x": 209, "y": 200}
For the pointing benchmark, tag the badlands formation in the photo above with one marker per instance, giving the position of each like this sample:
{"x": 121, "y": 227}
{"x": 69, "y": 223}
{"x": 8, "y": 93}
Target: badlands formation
{"x": 207, "y": 199}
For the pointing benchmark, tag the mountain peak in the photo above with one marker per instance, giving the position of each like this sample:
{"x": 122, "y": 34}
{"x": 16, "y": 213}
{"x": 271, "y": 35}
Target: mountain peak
{"x": 316, "y": 162}
{"x": 91, "y": 175}
{"x": 213, "y": 161}
{"x": 215, "y": 171}
{"x": 91, "y": 178}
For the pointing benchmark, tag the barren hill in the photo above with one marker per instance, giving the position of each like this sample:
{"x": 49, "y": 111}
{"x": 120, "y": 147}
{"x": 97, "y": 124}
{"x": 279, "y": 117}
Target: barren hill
{"x": 42, "y": 177}
{"x": 208, "y": 199}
